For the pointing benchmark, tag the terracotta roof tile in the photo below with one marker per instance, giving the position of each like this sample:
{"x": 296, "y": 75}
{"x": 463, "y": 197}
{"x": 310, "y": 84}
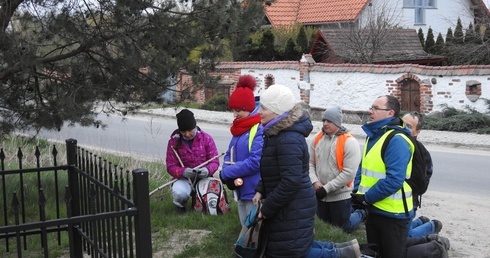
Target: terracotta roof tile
{"x": 288, "y": 12}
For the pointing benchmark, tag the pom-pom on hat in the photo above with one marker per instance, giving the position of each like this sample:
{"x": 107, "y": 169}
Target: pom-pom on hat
{"x": 334, "y": 115}
{"x": 242, "y": 97}
{"x": 186, "y": 120}
{"x": 278, "y": 99}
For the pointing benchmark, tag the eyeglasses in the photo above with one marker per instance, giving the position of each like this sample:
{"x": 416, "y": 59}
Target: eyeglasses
{"x": 378, "y": 108}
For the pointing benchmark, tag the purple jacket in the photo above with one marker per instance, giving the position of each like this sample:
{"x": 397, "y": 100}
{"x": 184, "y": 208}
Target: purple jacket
{"x": 203, "y": 149}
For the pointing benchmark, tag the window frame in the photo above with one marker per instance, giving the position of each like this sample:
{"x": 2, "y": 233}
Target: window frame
{"x": 427, "y": 4}
{"x": 419, "y": 17}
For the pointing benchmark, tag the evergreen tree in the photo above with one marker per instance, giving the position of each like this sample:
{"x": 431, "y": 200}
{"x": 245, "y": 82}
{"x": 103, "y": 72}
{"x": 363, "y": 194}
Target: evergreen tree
{"x": 438, "y": 48}
{"x": 266, "y": 46}
{"x": 248, "y": 52}
{"x": 478, "y": 35}
{"x": 486, "y": 35}
{"x": 429, "y": 42}
{"x": 449, "y": 36}
{"x": 458, "y": 37}
{"x": 470, "y": 36}
{"x": 290, "y": 53}
{"x": 302, "y": 41}
{"x": 421, "y": 37}
{"x": 57, "y": 58}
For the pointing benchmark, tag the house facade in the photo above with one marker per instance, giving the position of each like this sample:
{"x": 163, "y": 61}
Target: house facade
{"x": 409, "y": 14}
{"x": 439, "y": 14}
{"x": 355, "y": 86}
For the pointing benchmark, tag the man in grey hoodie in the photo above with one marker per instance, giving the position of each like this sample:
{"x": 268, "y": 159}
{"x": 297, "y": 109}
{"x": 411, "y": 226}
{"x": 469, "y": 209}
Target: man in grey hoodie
{"x": 334, "y": 160}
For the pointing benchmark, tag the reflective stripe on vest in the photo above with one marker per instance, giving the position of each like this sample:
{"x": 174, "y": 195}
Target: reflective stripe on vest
{"x": 251, "y": 136}
{"x": 373, "y": 169}
{"x": 339, "y": 150}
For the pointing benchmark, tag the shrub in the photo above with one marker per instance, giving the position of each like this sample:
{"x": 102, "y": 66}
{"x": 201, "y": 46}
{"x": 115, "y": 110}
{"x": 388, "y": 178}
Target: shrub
{"x": 218, "y": 102}
{"x": 451, "y": 119}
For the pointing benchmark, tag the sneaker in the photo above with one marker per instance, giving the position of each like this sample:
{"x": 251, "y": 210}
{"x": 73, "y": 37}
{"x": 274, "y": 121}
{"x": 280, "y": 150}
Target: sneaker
{"x": 369, "y": 250}
{"x": 345, "y": 244}
{"x": 424, "y": 219}
{"x": 444, "y": 241}
{"x": 440, "y": 239}
{"x": 432, "y": 237}
{"x": 437, "y": 226}
{"x": 351, "y": 251}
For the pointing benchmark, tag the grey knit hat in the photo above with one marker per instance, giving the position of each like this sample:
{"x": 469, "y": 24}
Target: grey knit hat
{"x": 334, "y": 115}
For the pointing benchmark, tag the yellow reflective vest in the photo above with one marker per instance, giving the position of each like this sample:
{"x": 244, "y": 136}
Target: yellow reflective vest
{"x": 373, "y": 169}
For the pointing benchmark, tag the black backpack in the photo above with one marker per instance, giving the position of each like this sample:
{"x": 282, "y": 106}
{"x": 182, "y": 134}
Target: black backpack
{"x": 419, "y": 179}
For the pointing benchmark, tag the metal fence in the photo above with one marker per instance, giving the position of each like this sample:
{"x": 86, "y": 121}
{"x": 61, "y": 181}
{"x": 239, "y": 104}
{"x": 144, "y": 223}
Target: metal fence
{"x": 99, "y": 208}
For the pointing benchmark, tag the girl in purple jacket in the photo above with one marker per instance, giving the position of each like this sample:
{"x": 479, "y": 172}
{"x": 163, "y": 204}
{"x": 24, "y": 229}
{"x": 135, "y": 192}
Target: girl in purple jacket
{"x": 188, "y": 148}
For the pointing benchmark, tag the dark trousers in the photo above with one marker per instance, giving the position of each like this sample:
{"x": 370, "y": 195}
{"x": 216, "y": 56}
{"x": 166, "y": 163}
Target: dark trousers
{"x": 421, "y": 247}
{"x": 336, "y": 213}
{"x": 390, "y": 235}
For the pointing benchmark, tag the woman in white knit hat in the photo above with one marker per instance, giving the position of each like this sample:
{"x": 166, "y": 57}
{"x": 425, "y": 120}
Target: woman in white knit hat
{"x": 289, "y": 200}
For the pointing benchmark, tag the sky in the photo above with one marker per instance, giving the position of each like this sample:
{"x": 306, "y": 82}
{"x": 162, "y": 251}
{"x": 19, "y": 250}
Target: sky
{"x": 487, "y": 2}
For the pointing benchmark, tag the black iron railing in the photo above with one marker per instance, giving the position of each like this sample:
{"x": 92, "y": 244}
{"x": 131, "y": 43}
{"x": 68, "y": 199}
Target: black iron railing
{"x": 100, "y": 208}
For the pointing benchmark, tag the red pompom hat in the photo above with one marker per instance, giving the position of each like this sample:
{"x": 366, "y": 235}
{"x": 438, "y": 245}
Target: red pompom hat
{"x": 242, "y": 97}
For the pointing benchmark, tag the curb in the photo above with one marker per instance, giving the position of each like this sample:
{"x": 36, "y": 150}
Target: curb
{"x": 427, "y": 137}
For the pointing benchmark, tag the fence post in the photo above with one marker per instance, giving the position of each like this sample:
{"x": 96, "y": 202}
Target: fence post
{"x": 76, "y": 250}
{"x": 141, "y": 193}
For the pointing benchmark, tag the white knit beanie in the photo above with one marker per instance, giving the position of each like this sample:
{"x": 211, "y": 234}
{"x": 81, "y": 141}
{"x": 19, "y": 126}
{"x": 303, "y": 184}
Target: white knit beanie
{"x": 334, "y": 115}
{"x": 278, "y": 99}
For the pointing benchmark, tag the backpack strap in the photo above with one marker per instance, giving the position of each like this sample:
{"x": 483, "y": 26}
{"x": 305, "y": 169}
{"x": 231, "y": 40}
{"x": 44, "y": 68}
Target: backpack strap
{"x": 385, "y": 143}
{"x": 383, "y": 150}
{"x": 339, "y": 153}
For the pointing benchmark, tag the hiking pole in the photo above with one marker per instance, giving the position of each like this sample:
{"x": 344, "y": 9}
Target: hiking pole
{"x": 163, "y": 186}
{"x": 178, "y": 157}
{"x": 180, "y": 161}
{"x": 173, "y": 180}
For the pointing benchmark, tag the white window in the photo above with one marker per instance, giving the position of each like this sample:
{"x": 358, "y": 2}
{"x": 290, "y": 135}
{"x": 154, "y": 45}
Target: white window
{"x": 430, "y": 3}
{"x": 419, "y": 7}
{"x": 419, "y": 15}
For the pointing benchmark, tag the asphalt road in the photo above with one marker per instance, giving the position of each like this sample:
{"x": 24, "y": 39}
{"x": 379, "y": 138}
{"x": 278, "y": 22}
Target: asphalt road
{"x": 455, "y": 170}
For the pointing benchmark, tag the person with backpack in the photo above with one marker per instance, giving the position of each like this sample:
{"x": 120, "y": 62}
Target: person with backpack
{"x": 187, "y": 148}
{"x": 380, "y": 181}
{"x": 240, "y": 170}
{"x": 334, "y": 160}
{"x": 289, "y": 201}
{"x": 421, "y": 226}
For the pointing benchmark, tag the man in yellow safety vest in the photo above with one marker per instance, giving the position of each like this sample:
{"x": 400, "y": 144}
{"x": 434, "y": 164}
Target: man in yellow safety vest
{"x": 380, "y": 181}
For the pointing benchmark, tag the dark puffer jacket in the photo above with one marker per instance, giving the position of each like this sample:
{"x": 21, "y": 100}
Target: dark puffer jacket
{"x": 290, "y": 204}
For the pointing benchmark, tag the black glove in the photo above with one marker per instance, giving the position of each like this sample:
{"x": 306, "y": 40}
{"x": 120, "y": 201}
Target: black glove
{"x": 358, "y": 200}
{"x": 229, "y": 183}
{"x": 321, "y": 193}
